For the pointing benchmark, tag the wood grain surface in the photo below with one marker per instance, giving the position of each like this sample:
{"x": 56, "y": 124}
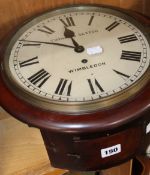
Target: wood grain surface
{"x": 21, "y": 148}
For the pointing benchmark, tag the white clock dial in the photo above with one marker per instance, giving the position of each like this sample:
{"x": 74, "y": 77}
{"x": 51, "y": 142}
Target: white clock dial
{"x": 79, "y": 56}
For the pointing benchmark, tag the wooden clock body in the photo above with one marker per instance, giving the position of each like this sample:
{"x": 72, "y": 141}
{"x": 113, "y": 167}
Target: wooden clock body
{"x": 88, "y": 142}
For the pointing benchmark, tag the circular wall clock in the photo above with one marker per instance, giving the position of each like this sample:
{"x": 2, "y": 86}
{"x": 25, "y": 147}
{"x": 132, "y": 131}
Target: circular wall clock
{"x": 81, "y": 75}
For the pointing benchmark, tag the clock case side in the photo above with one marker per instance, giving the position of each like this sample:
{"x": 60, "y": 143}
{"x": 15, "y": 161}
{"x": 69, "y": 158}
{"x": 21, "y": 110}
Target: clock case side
{"x": 83, "y": 152}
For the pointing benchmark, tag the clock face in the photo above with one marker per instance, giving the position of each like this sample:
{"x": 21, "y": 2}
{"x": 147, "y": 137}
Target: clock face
{"x": 78, "y": 59}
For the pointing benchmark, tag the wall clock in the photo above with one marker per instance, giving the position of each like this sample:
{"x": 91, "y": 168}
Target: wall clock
{"x": 81, "y": 75}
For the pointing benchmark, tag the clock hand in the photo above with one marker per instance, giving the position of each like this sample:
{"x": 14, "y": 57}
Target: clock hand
{"x": 42, "y": 42}
{"x": 70, "y": 34}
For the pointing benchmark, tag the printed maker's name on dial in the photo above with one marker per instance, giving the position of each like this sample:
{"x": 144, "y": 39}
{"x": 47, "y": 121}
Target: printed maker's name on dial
{"x": 87, "y": 67}
{"x": 89, "y": 32}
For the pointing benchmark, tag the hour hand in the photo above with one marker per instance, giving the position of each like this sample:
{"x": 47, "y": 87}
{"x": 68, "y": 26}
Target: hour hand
{"x": 70, "y": 34}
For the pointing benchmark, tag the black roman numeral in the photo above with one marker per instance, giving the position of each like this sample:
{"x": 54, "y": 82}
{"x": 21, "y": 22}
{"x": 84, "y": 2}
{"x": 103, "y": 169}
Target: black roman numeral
{"x": 112, "y": 26}
{"x": 64, "y": 86}
{"x": 94, "y": 86}
{"x": 46, "y": 29}
{"x": 29, "y": 62}
{"x": 124, "y": 76}
{"x": 128, "y": 38}
{"x": 68, "y": 22}
{"x": 132, "y": 56}
{"x": 90, "y": 21}
{"x": 39, "y": 78}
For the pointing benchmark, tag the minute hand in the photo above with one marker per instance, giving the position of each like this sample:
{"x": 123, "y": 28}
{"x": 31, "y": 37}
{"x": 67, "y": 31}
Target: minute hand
{"x": 51, "y": 43}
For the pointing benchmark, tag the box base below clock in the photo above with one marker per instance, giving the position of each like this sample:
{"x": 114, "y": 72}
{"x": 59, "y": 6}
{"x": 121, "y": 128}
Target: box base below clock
{"x": 92, "y": 152}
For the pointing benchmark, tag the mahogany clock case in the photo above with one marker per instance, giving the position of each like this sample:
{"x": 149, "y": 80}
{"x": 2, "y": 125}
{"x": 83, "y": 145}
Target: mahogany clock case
{"x": 75, "y": 141}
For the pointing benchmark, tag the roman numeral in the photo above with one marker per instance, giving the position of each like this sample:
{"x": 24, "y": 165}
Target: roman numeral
{"x": 29, "y": 62}
{"x": 94, "y": 86}
{"x": 112, "y": 26}
{"x": 39, "y": 78}
{"x": 124, "y": 76}
{"x": 128, "y": 38}
{"x": 132, "y": 56}
{"x": 90, "y": 21}
{"x": 68, "y": 22}
{"x": 64, "y": 86}
{"x": 46, "y": 29}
